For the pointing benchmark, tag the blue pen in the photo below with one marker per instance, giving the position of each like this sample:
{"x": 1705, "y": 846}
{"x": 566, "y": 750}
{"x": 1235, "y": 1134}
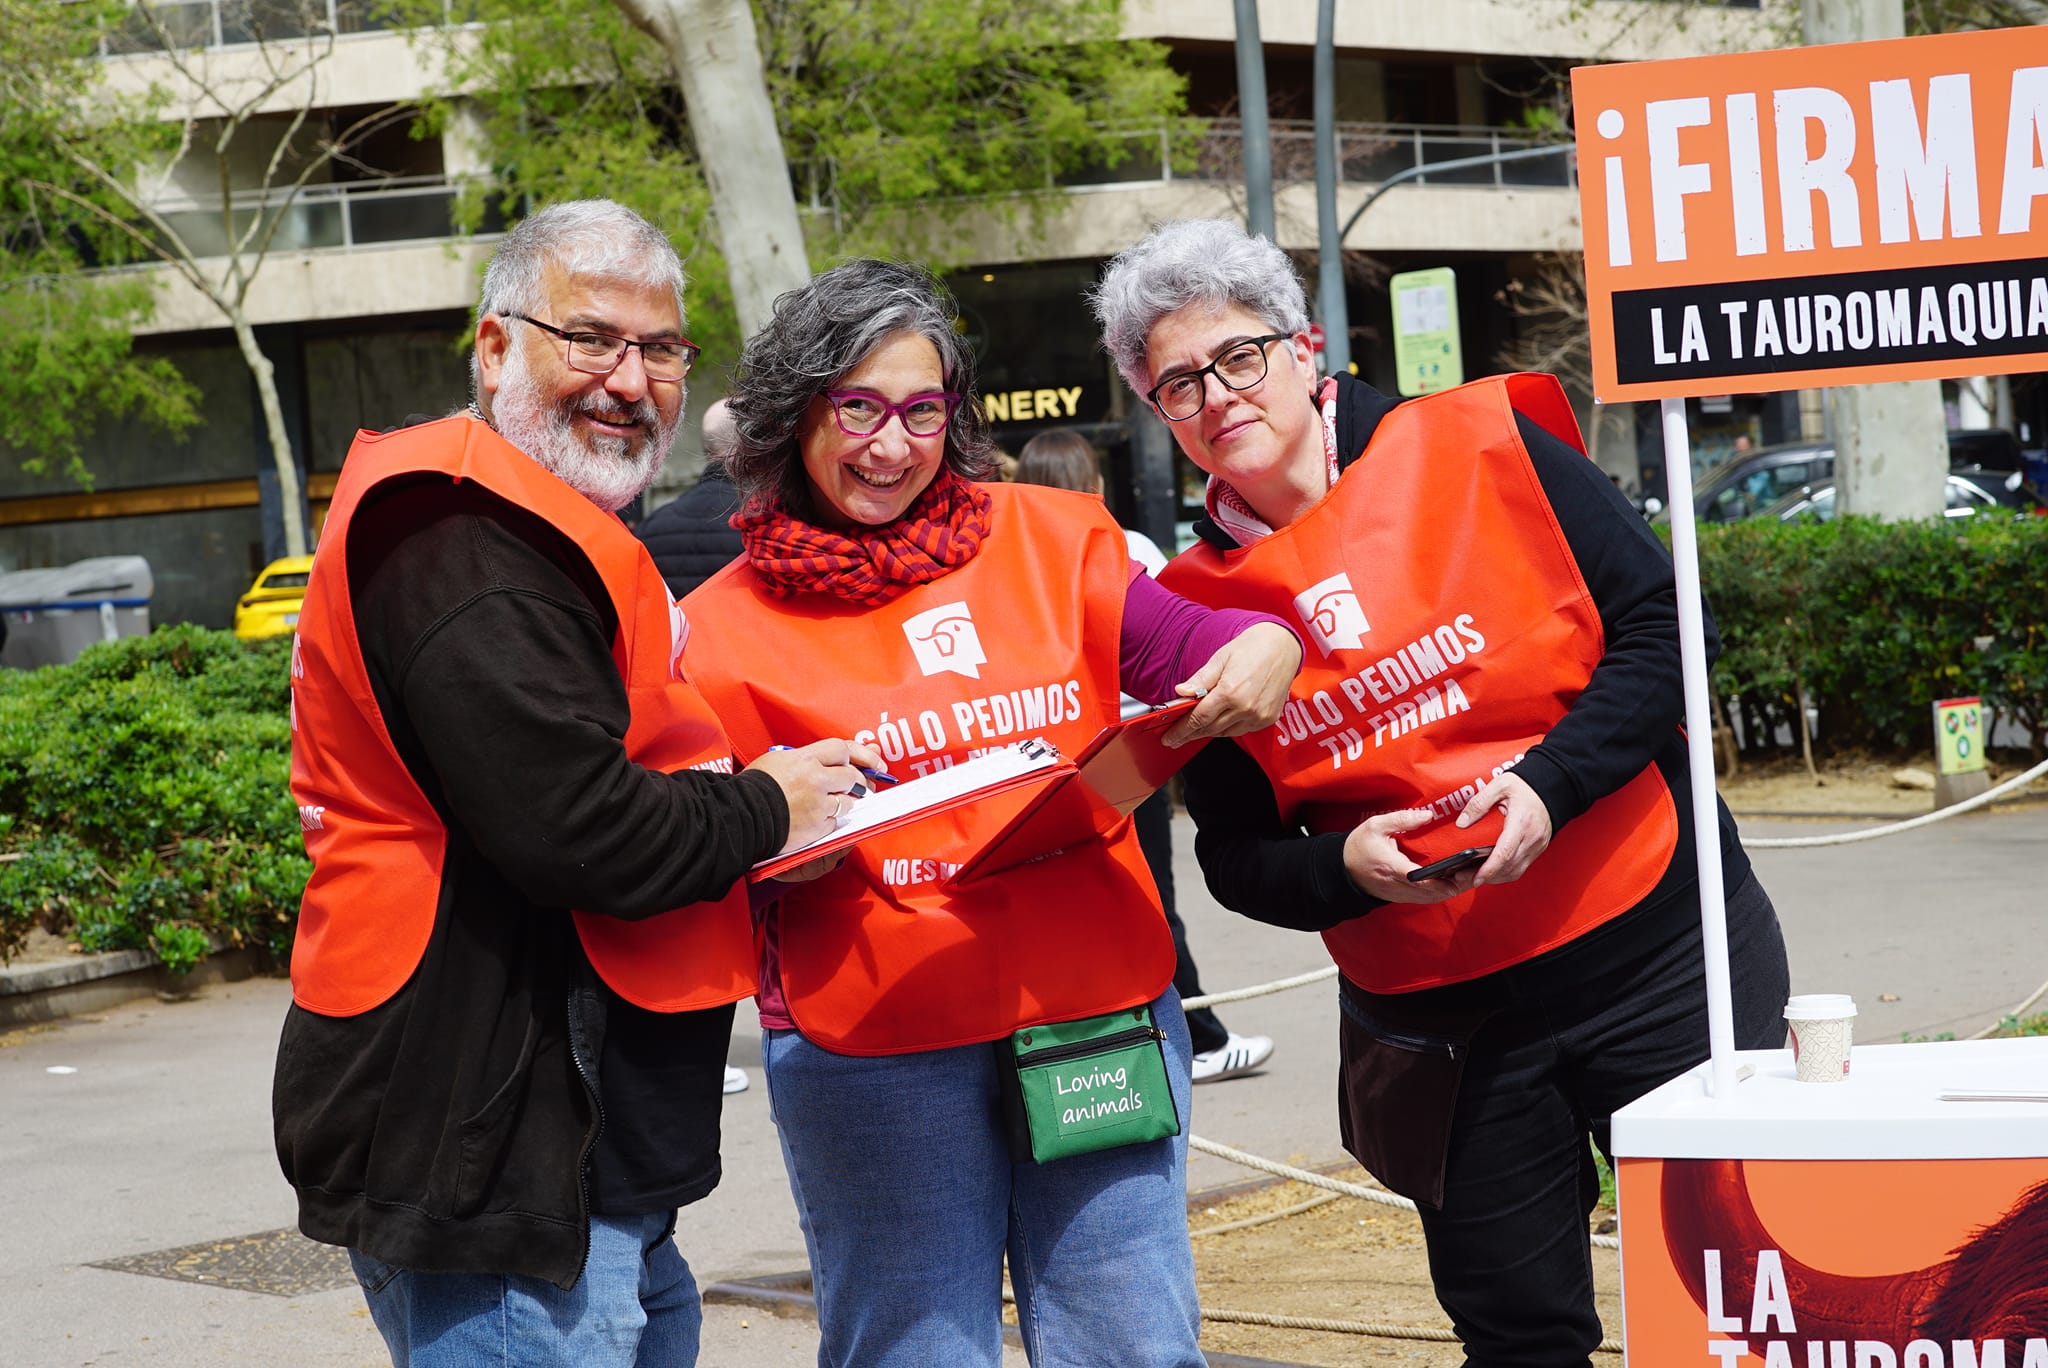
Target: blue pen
{"x": 877, "y": 777}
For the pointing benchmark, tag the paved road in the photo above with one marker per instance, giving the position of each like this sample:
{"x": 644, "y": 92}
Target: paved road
{"x": 160, "y": 1138}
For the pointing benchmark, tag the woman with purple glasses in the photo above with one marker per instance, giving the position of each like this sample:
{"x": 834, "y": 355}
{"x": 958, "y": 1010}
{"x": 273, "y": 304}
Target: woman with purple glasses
{"x": 885, "y": 592}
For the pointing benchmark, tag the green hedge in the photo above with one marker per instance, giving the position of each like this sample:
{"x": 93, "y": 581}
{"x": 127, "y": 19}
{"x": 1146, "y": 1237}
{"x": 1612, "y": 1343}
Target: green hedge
{"x": 144, "y": 799}
{"x": 1879, "y": 619}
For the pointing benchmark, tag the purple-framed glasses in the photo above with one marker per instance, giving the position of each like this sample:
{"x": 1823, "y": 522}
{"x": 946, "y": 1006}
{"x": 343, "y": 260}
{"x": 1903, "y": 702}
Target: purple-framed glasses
{"x": 863, "y": 413}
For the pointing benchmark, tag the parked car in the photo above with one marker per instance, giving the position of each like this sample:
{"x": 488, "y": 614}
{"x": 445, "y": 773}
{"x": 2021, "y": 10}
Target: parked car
{"x": 1966, "y": 495}
{"x": 1746, "y": 485}
{"x": 1755, "y": 481}
{"x": 271, "y": 607}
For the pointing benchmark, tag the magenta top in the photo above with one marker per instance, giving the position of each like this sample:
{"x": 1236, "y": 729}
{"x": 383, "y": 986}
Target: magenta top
{"x": 1165, "y": 639}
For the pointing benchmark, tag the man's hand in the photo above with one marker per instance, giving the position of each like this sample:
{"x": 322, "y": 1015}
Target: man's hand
{"x": 1378, "y": 865}
{"x": 1525, "y": 829}
{"x": 1243, "y": 686}
{"x": 820, "y": 782}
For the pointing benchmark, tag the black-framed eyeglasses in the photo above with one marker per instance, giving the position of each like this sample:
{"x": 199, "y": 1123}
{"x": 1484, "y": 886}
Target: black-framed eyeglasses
{"x": 1240, "y": 366}
{"x": 862, "y": 413}
{"x": 596, "y": 353}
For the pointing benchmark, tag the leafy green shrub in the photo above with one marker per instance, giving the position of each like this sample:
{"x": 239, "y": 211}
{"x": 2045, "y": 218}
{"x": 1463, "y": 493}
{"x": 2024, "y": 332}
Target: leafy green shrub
{"x": 1876, "y": 620}
{"x": 146, "y": 801}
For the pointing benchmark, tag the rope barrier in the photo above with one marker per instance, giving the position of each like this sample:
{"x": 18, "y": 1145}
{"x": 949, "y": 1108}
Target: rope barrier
{"x": 1328, "y": 971}
{"x": 2016, "y": 1012}
{"x": 1894, "y": 828}
{"x": 1328, "y": 1184}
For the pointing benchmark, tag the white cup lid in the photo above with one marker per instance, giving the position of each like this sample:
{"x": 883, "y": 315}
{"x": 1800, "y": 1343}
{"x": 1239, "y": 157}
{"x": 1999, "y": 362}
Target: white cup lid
{"x": 1820, "y": 1007}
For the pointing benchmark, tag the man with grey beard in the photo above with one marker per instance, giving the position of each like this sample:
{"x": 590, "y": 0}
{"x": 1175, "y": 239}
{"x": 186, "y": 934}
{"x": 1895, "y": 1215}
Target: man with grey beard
{"x": 527, "y": 920}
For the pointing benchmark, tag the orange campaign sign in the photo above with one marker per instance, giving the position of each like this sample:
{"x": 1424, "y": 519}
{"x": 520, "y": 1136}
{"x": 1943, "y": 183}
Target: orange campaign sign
{"x": 1816, "y": 216}
{"x": 1837, "y": 1263}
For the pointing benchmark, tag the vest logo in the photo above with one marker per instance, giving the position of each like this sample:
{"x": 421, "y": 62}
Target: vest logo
{"x": 1331, "y": 613}
{"x": 944, "y": 639}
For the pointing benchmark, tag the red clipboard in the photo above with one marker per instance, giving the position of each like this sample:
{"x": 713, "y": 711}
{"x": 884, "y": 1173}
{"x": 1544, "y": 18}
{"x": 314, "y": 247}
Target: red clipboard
{"x": 1123, "y": 766}
{"x": 1118, "y": 769}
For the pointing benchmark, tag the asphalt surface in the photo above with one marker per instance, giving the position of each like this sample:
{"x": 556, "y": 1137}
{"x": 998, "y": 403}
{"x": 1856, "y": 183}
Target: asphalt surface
{"x": 145, "y": 1128}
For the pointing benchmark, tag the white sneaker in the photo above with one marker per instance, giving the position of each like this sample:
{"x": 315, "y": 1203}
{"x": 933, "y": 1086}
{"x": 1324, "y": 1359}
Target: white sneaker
{"x": 736, "y": 1079}
{"x": 1234, "y": 1057}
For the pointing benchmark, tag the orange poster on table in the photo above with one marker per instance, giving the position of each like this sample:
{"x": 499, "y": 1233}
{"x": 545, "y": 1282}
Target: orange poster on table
{"x": 1835, "y": 1263}
{"x": 1816, "y": 216}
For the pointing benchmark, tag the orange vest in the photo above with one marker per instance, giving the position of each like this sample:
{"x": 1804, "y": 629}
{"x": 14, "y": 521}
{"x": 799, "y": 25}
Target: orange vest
{"x": 879, "y": 957}
{"x": 1448, "y": 630}
{"x": 376, "y": 842}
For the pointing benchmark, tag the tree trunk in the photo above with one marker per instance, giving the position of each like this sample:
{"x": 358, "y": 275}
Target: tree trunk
{"x": 288, "y": 491}
{"x": 712, "y": 46}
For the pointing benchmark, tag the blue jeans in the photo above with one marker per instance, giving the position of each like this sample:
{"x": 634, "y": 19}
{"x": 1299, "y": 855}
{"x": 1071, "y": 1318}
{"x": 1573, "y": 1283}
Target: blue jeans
{"x": 634, "y": 1307}
{"x": 909, "y": 1200}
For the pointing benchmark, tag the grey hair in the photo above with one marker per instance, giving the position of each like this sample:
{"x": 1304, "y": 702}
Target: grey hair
{"x": 1192, "y": 261}
{"x": 818, "y": 333}
{"x": 593, "y": 237}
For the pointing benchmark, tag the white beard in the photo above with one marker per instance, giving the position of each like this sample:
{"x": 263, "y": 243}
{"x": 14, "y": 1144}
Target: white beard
{"x": 609, "y": 471}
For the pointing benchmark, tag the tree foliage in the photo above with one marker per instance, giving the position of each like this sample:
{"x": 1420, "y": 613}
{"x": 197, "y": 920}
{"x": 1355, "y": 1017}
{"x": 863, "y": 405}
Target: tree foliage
{"x": 66, "y": 355}
{"x": 901, "y": 120}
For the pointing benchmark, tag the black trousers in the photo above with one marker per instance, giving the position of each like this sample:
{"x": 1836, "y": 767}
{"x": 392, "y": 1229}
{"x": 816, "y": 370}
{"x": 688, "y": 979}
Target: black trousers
{"x": 1154, "y": 822}
{"x": 1508, "y": 1250}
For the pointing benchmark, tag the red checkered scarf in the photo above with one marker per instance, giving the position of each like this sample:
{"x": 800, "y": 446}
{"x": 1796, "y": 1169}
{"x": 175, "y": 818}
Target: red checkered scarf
{"x": 938, "y": 533}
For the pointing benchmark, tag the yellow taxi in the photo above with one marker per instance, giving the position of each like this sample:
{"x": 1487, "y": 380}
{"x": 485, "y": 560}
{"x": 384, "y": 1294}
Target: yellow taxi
{"x": 271, "y": 607}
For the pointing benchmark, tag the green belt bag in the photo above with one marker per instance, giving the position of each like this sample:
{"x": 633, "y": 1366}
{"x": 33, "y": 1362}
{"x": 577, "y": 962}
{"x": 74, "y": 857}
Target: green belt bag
{"x": 1074, "y": 1087}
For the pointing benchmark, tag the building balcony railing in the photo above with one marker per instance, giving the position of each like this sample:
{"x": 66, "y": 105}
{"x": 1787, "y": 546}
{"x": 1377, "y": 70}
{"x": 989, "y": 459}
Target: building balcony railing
{"x": 420, "y": 208}
{"x": 355, "y": 214}
{"x": 228, "y": 23}
{"x": 1367, "y": 153}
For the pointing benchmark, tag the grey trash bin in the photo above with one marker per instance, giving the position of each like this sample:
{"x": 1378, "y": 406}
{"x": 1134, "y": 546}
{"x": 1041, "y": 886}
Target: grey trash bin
{"x": 53, "y": 615}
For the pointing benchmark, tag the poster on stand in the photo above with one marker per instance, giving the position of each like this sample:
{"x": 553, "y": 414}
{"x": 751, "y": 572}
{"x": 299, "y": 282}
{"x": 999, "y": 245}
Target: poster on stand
{"x": 1816, "y": 216}
{"x": 1854, "y": 1263}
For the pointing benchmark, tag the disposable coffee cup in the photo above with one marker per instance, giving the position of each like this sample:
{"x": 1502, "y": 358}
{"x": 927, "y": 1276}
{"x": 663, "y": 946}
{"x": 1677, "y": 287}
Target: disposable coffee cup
{"x": 1819, "y": 1025}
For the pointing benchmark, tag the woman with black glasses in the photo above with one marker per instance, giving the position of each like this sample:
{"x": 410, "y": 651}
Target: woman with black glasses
{"x": 1477, "y": 792}
{"x": 885, "y": 593}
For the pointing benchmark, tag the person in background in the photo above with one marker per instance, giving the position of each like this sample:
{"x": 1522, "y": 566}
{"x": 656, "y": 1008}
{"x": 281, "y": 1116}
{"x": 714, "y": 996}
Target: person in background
{"x": 1495, "y": 669}
{"x": 1064, "y": 459}
{"x": 691, "y": 536}
{"x": 494, "y": 1103}
{"x": 887, "y": 591}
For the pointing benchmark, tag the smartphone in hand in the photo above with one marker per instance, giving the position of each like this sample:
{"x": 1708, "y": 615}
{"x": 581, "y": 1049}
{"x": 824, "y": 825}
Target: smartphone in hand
{"x": 1451, "y": 864}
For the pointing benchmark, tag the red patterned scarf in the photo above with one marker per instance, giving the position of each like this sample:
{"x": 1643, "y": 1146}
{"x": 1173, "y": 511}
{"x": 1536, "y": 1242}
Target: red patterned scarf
{"x": 938, "y": 533}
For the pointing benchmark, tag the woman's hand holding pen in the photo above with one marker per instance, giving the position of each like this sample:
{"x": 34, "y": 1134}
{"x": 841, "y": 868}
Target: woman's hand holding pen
{"x": 820, "y": 781}
{"x": 1242, "y": 687}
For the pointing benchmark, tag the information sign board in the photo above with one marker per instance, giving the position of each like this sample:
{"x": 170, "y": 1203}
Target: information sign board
{"x": 1427, "y": 355}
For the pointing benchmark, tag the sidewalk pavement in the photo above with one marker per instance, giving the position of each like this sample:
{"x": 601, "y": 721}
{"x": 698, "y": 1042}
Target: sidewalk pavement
{"x": 145, "y": 1128}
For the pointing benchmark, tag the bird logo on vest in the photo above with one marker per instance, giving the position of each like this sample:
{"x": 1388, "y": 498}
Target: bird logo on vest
{"x": 1331, "y": 613}
{"x": 945, "y": 640}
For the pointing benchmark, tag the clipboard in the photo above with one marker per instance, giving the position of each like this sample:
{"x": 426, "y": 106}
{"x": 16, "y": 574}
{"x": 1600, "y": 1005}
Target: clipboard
{"x": 1123, "y": 763}
{"x": 1123, "y": 766}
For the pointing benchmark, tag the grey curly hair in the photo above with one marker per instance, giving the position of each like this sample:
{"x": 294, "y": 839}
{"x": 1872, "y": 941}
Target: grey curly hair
{"x": 817, "y": 334}
{"x": 1192, "y": 261}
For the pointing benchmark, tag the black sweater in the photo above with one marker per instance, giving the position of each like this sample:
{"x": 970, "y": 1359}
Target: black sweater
{"x": 691, "y": 536}
{"x": 1626, "y": 719}
{"x": 457, "y": 1127}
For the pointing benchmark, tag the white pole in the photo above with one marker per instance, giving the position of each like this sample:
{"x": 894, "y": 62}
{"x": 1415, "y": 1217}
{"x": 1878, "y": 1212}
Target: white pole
{"x": 1699, "y": 736}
